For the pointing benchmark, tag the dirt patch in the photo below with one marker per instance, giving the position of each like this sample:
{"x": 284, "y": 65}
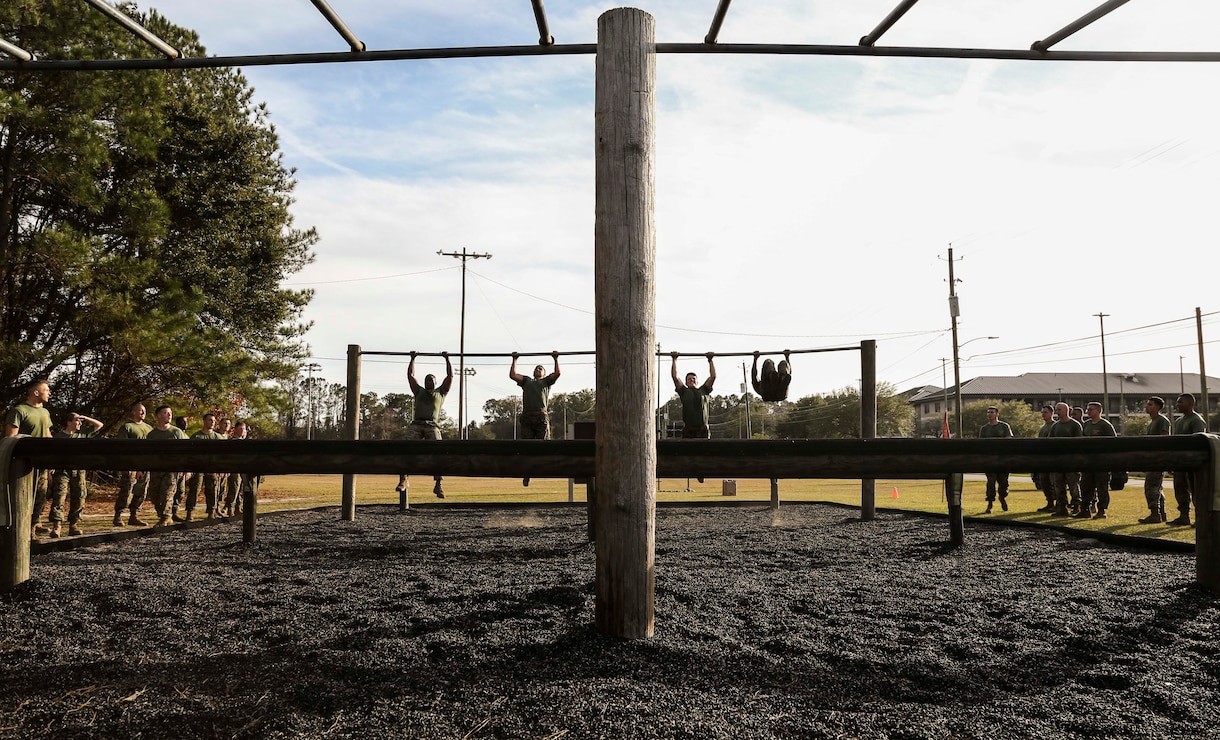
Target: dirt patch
{"x": 453, "y": 623}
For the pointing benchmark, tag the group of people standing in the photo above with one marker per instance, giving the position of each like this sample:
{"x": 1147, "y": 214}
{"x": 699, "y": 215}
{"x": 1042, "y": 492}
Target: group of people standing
{"x": 172, "y": 492}
{"x": 1086, "y": 494}
{"x": 69, "y": 488}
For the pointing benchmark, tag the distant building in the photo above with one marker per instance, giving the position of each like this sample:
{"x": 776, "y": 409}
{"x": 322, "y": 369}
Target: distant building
{"x": 1127, "y": 392}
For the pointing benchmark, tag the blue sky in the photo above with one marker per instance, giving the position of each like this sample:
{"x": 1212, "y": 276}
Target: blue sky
{"x": 802, "y": 202}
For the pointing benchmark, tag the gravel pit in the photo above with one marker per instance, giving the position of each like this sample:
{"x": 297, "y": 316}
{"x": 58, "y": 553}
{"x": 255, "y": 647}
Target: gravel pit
{"x": 477, "y": 623}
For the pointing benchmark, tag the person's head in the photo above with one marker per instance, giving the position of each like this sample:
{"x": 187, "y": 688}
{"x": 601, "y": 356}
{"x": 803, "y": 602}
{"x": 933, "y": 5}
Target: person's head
{"x": 224, "y": 425}
{"x": 539, "y": 372}
{"x": 993, "y": 414}
{"x": 1186, "y": 402}
{"x": 181, "y": 422}
{"x": 164, "y": 415}
{"x": 137, "y": 412}
{"x": 240, "y": 430}
{"x": 691, "y": 380}
{"x": 1094, "y": 410}
{"x": 768, "y": 368}
{"x": 1154, "y": 405}
{"x": 430, "y": 382}
{"x": 1077, "y": 413}
{"x": 209, "y": 422}
{"x": 37, "y": 391}
{"x": 72, "y": 421}
{"x": 1063, "y": 411}
{"x": 1048, "y": 412}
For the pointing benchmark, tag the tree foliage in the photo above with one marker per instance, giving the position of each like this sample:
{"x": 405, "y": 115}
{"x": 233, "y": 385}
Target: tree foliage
{"x": 144, "y": 224}
{"x": 836, "y": 415}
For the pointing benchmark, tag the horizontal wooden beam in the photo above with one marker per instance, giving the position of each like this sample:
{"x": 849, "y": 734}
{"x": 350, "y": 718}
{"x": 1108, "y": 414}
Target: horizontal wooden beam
{"x": 805, "y": 458}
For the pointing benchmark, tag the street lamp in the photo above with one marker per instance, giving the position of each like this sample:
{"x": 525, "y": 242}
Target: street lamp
{"x": 957, "y": 378}
{"x": 309, "y": 390}
{"x": 1105, "y": 384}
{"x": 467, "y": 372}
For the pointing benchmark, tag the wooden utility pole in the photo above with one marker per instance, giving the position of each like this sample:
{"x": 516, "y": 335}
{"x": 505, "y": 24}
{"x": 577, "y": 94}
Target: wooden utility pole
{"x": 625, "y": 301}
{"x": 17, "y": 483}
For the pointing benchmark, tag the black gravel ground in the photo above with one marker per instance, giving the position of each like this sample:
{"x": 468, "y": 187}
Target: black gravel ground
{"x": 466, "y": 623}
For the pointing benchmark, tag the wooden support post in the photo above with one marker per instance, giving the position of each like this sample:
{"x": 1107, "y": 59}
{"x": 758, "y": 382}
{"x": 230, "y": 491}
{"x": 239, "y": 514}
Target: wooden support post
{"x": 249, "y": 507}
{"x": 591, "y": 507}
{"x": 1207, "y": 521}
{"x": 624, "y": 247}
{"x": 17, "y": 489}
{"x": 775, "y": 493}
{"x": 868, "y": 422}
{"x": 352, "y": 428}
{"x": 953, "y": 494}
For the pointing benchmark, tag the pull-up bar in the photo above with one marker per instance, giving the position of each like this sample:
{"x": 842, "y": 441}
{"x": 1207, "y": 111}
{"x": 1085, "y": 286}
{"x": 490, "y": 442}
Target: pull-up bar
{"x": 479, "y": 354}
{"x": 855, "y": 348}
{"x": 772, "y": 352}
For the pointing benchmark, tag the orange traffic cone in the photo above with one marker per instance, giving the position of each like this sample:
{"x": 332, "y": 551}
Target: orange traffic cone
{"x": 895, "y": 493}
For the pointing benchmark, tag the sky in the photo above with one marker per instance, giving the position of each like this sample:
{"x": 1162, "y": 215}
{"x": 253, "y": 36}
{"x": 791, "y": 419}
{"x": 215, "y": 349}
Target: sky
{"x": 802, "y": 202}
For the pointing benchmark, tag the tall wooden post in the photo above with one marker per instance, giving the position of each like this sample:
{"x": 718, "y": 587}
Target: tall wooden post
{"x": 1207, "y": 521}
{"x": 352, "y": 428}
{"x": 625, "y": 301}
{"x": 17, "y": 487}
{"x": 868, "y": 421}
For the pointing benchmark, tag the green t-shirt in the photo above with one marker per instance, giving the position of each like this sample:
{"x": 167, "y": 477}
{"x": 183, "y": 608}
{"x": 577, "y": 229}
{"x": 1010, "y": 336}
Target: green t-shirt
{"x": 134, "y": 430}
{"x": 172, "y": 433}
{"x": 207, "y": 435}
{"x": 1158, "y": 425}
{"x": 61, "y": 434}
{"x": 535, "y": 392}
{"x": 428, "y": 405}
{"x": 1067, "y": 428}
{"x": 695, "y": 406}
{"x": 1190, "y": 423}
{"x": 998, "y": 429}
{"x": 1045, "y": 431}
{"x": 1099, "y": 428}
{"x": 32, "y": 420}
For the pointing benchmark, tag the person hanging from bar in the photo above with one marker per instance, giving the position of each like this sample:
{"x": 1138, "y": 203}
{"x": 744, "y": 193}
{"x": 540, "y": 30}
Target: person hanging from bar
{"x": 535, "y": 391}
{"x": 429, "y": 398}
{"x": 695, "y": 406}
{"x": 775, "y": 381}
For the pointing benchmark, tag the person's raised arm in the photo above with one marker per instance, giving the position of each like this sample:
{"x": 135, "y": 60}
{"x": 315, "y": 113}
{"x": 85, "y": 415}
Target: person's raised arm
{"x": 754, "y": 374}
{"x": 411, "y": 375}
{"x": 96, "y": 424}
{"x": 673, "y": 370}
{"x": 711, "y": 371}
{"x": 448, "y": 374}
{"x": 512, "y": 370}
{"x": 555, "y": 372}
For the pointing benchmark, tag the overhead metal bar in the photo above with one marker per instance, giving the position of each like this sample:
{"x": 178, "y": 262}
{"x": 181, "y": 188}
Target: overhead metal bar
{"x": 15, "y": 51}
{"x": 143, "y": 33}
{"x": 890, "y": 20}
{"x": 324, "y": 7}
{"x": 264, "y": 60}
{"x": 544, "y": 32}
{"x": 717, "y": 22}
{"x": 1100, "y": 11}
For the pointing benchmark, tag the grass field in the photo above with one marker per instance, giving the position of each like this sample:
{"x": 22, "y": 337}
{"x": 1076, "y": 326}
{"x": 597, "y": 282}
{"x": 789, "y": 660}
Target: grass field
{"x": 311, "y": 491}
{"x": 1126, "y": 506}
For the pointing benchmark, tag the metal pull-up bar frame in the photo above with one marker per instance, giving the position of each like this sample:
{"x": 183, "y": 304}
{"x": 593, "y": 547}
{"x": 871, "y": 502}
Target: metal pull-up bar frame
{"x": 15, "y": 51}
{"x": 141, "y": 32}
{"x": 570, "y": 353}
{"x": 323, "y": 7}
{"x": 1100, "y": 11}
{"x": 544, "y": 32}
